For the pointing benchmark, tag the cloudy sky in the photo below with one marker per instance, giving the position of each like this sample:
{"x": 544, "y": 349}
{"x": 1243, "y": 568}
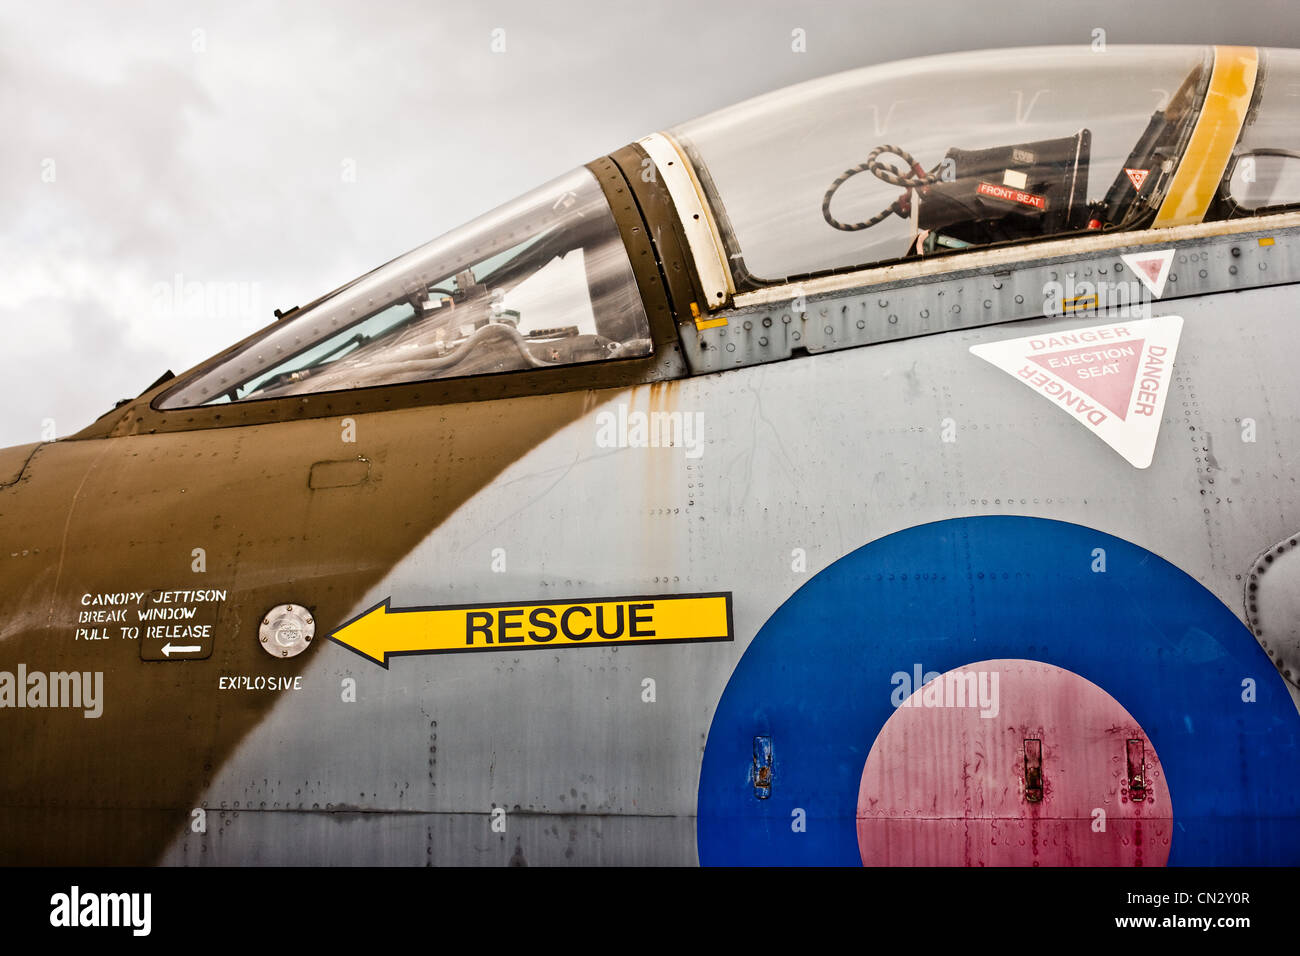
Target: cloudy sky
{"x": 263, "y": 154}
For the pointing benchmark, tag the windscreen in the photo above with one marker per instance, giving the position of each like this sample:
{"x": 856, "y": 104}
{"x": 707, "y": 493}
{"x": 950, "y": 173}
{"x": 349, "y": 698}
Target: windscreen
{"x": 541, "y": 282}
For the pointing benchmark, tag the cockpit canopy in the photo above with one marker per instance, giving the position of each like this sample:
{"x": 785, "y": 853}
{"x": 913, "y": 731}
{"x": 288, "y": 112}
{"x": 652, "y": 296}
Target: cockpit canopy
{"x": 947, "y": 153}
{"x": 926, "y": 158}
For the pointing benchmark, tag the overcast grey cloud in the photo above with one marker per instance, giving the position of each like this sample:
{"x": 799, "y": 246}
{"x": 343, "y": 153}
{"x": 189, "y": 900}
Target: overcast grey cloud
{"x": 270, "y": 153}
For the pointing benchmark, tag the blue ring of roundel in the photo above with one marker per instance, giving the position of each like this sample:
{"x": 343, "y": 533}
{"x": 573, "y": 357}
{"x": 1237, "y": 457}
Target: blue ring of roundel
{"x": 817, "y": 679}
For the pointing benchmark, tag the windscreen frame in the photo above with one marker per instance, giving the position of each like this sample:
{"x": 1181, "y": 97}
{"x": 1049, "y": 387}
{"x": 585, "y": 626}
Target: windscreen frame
{"x": 663, "y": 364}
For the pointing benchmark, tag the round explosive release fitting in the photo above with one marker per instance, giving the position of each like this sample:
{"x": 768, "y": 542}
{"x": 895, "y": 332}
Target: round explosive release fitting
{"x": 286, "y": 630}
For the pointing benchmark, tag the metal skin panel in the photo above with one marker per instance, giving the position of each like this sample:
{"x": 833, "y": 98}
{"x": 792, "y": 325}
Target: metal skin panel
{"x": 1273, "y": 605}
{"x": 113, "y": 516}
{"x": 992, "y": 292}
{"x": 34, "y": 510}
{"x": 825, "y": 454}
{"x": 13, "y": 461}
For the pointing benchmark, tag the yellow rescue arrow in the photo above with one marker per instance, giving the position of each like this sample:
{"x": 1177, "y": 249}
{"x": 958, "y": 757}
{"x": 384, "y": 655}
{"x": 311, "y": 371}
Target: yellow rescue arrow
{"x": 383, "y": 631}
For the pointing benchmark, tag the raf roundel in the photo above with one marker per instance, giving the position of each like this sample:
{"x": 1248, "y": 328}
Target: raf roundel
{"x": 973, "y": 692}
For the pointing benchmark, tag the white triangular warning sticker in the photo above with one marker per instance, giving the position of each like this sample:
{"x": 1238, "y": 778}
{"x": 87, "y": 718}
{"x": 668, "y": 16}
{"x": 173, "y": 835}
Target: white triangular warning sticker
{"x": 1136, "y": 176}
{"x": 1112, "y": 379}
{"x": 1151, "y": 268}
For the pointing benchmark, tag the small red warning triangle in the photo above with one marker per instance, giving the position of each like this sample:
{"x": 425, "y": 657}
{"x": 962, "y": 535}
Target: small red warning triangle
{"x": 1104, "y": 373}
{"x": 1136, "y": 176}
{"x": 1151, "y": 268}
